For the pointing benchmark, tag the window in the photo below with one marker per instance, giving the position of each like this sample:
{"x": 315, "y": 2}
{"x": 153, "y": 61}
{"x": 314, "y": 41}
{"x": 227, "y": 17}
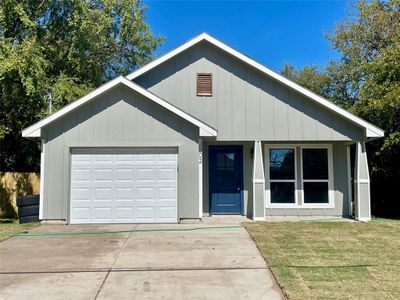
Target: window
{"x": 299, "y": 176}
{"x": 225, "y": 168}
{"x": 282, "y": 175}
{"x": 225, "y": 161}
{"x": 204, "y": 84}
{"x": 315, "y": 175}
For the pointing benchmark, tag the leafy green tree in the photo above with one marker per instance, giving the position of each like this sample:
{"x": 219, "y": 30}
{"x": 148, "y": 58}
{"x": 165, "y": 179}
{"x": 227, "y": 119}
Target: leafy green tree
{"x": 311, "y": 77}
{"x": 366, "y": 80}
{"x": 62, "y": 49}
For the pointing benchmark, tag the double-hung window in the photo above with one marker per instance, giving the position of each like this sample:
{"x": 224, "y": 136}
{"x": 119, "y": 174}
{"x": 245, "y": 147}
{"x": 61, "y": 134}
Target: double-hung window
{"x": 316, "y": 177}
{"x": 313, "y": 187}
{"x": 282, "y": 175}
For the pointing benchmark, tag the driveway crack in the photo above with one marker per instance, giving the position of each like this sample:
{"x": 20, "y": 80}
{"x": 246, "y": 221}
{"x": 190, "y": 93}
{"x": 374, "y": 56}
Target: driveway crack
{"x": 112, "y": 265}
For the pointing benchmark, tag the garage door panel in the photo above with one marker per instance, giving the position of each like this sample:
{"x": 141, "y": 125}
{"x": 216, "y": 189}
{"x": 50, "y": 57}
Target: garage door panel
{"x": 81, "y": 214}
{"x": 102, "y": 194}
{"x": 124, "y": 159}
{"x": 124, "y": 189}
{"x": 124, "y": 194}
{"x": 167, "y": 159}
{"x": 166, "y": 193}
{"x": 145, "y": 175}
{"x": 102, "y": 159}
{"x": 146, "y": 203}
{"x": 103, "y": 174}
{"x": 126, "y": 213}
{"x": 166, "y": 205}
{"x": 123, "y": 204}
{"x": 166, "y": 213}
{"x": 82, "y": 159}
{"x": 167, "y": 174}
{"x": 123, "y": 174}
{"x": 146, "y": 158}
{"x": 123, "y": 186}
{"x": 81, "y": 174}
{"x": 143, "y": 193}
{"x": 146, "y": 213}
{"x": 104, "y": 213}
{"x": 80, "y": 204}
{"x": 81, "y": 194}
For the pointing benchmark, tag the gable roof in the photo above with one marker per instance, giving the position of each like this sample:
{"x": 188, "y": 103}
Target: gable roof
{"x": 371, "y": 130}
{"x": 35, "y": 129}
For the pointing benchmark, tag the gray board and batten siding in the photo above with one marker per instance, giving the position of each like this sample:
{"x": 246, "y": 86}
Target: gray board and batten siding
{"x": 119, "y": 118}
{"x": 246, "y": 105}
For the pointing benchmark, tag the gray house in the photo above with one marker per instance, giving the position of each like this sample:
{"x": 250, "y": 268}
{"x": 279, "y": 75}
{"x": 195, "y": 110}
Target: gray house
{"x": 202, "y": 130}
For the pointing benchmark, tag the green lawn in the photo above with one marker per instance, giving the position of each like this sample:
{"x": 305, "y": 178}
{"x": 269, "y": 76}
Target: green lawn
{"x": 12, "y": 226}
{"x": 332, "y": 260}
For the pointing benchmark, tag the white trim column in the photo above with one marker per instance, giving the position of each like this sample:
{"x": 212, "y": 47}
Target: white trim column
{"x": 362, "y": 184}
{"x": 200, "y": 178}
{"x": 41, "y": 192}
{"x": 349, "y": 185}
{"x": 258, "y": 183}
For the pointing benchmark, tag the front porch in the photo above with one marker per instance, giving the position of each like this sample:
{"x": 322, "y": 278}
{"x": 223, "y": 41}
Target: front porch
{"x": 305, "y": 180}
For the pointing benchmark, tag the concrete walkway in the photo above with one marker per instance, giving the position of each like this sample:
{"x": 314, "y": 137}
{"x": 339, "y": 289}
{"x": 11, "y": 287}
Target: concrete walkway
{"x": 203, "y": 264}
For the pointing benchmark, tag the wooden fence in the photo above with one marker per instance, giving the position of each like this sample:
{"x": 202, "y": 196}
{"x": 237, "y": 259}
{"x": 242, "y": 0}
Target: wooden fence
{"x": 13, "y": 185}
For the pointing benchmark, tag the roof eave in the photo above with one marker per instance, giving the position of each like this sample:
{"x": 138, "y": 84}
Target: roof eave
{"x": 371, "y": 130}
{"x": 35, "y": 129}
{"x": 376, "y": 133}
{"x": 31, "y": 134}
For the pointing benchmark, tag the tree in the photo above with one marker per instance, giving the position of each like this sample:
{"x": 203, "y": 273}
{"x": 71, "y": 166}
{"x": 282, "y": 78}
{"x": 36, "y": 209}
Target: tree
{"x": 310, "y": 77}
{"x": 366, "y": 80}
{"x": 61, "y": 49}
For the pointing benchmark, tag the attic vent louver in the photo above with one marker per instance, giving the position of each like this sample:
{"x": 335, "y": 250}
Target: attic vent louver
{"x": 204, "y": 84}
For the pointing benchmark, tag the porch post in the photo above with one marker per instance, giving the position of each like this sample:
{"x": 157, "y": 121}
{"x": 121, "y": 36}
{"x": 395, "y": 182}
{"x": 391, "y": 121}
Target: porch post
{"x": 361, "y": 184}
{"x": 258, "y": 183}
{"x": 41, "y": 192}
{"x": 349, "y": 183}
{"x": 200, "y": 178}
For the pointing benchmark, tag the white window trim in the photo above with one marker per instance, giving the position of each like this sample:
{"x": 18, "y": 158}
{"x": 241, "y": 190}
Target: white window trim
{"x": 268, "y": 180}
{"x": 331, "y": 192}
{"x": 299, "y": 201}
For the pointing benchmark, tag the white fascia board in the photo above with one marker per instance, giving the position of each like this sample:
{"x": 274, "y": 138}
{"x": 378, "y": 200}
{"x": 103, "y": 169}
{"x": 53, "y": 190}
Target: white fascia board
{"x": 31, "y": 134}
{"x": 167, "y": 56}
{"x": 32, "y": 130}
{"x": 372, "y": 133}
{"x": 205, "y": 130}
{"x": 371, "y": 130}
{"x": 35, "y": 129}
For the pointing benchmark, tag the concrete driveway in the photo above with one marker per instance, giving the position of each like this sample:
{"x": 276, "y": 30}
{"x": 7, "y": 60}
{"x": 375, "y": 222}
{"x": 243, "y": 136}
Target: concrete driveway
{"x": 214, "y": 263}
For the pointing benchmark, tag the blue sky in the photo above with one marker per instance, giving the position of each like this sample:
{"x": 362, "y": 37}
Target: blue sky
{"x": 272, "y": 32}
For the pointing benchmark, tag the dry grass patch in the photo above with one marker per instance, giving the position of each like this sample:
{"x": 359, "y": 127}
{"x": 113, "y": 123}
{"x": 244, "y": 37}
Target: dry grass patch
{"x": 332, "y": 260}
{"x": 12, "y": 227}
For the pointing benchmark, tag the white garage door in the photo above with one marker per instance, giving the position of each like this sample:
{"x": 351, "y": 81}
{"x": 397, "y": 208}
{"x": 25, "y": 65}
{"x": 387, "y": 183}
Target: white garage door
{"x": 123, "y": 186}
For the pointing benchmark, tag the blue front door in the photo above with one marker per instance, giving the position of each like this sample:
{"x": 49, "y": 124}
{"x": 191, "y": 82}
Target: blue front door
{"x": 226, "y": 179}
